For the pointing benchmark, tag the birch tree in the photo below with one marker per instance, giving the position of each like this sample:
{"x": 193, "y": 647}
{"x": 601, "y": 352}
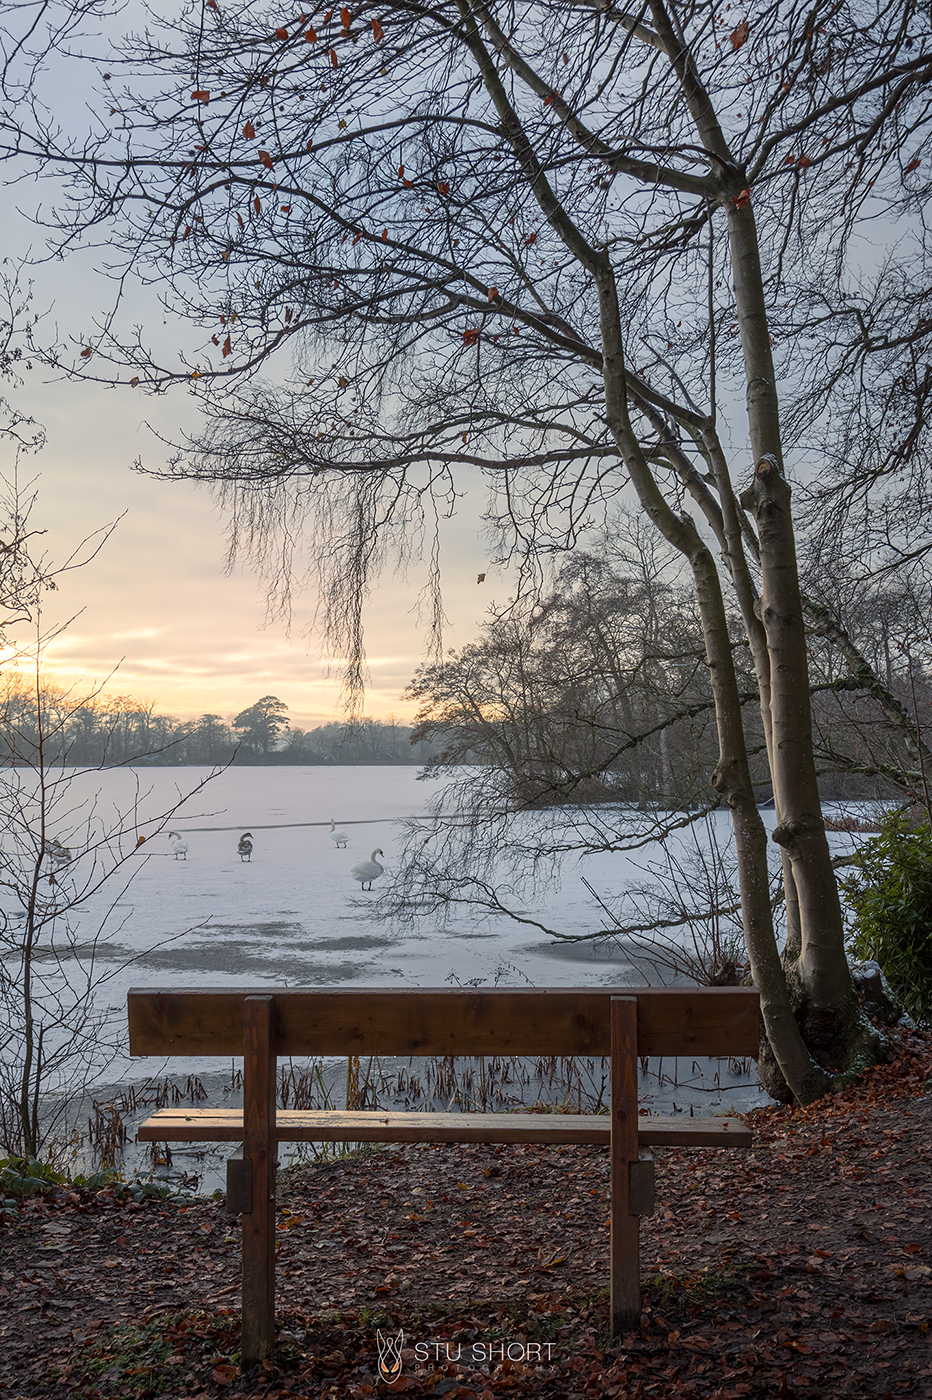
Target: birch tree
{"x": 571, "y": 248}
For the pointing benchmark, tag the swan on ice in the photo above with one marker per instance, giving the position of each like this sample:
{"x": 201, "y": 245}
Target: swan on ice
{"x": 245, "y": 846}
{"x": 339, "y": 838}
{"x": 179, "y": 845}
{"x": 365, "y": 871}
{"x": 57, "y": 853}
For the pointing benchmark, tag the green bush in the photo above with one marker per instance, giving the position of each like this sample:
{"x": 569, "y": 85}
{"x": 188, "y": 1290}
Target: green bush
{"x": 890, "y": 895}
{"x": 22, "y": 1177}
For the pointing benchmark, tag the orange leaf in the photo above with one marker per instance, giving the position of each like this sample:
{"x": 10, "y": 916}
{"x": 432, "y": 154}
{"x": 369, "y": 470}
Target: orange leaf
{"x": 493, "y": 294}
{"x": 281, "y": 34}
{"x": 186, "y": 232}
{"x": 311, "y": 36}
{"x": 249, "y": 131}
{"x": 239, "y": 219}
{"x": 530, "y": 240}
{"x": 378, "y": 31}
{"x": 227, "y": 347}
{"x": 913, "y": 165}
{"x": 201, "y": 95}
{"x": 257, "y": 204}
{"x": 740, "y": 200}
{"x": 310, "y": 145}
{"x": 401, "y": 171}
{"x": 470, "y": 337}
{"x": 266, "y": 160}
{"x": 385, "y": 235}
{"x": 804, "y": 162}
{"x": 345, "y": 17}
{"x": 212, "y": 5}
{"x": 443, "y": 187}
{"x": 140, "y": 841}
{"x": 224, "y": 1374}
{"x": 86, "y": 353}
{"x": 739, "y": 35}
{"x": 333, "y": 58}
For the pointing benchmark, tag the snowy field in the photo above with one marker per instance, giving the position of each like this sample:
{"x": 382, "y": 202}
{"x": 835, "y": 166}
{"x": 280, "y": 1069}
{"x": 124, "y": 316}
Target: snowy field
{"x": 291, "y": 914}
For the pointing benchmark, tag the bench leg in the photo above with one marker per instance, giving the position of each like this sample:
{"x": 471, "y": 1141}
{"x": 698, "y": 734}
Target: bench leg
{"x": 625, "y": 1279}
{"x": 259, "y": 1146}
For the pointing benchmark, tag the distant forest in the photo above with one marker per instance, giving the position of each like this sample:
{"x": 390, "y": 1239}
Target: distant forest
{"x": 120, "y": 730}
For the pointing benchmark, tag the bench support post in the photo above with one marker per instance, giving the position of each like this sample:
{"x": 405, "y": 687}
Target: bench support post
{"x": 625, "y": 1266}
{"x": 259, "y": 1149}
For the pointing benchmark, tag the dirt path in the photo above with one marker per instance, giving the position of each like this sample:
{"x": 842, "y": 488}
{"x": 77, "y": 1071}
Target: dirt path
{"x": 798, "y": 1268}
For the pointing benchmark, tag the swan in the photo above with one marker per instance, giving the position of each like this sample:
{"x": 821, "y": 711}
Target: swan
{"x": 57, "y": 853}
{"x": 339, "y": 838}
{"x": 179, "y": 845}
{"x": 245, "y": 846}
{"x": 365, "y": 871}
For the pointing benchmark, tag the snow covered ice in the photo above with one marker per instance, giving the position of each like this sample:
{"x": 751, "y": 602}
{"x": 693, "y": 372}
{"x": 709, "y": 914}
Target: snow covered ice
{"x": 294, "y": 914}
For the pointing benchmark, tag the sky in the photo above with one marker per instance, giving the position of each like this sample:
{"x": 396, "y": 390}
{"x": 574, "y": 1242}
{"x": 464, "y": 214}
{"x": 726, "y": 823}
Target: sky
{"x": 157, "y": 601}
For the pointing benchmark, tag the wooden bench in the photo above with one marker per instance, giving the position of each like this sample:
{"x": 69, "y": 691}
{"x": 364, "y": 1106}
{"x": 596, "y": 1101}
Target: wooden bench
{"x": 624, "y": 1023}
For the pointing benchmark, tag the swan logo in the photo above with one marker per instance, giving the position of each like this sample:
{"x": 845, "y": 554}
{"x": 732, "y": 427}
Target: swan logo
{"x": 390, "y": 1355}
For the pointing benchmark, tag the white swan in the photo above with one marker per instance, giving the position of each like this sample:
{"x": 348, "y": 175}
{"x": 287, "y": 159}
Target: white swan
{"x": 245, "y": 846}
{"x": 365, "y": 871}
{"x": 339, "y": 838}
{"x": 179, "y": 845}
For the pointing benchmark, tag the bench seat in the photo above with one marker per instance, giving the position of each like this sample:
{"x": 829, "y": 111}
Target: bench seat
{"x": 322, "y": 1125}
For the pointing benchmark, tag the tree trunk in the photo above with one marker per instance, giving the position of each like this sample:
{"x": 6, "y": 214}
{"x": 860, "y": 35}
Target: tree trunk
{"x": 817, "y": 969}
{"x": 732, "y": 779}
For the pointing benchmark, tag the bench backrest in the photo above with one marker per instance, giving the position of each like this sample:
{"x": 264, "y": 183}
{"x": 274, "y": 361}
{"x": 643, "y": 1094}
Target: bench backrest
{"x": 446, "y": 1021}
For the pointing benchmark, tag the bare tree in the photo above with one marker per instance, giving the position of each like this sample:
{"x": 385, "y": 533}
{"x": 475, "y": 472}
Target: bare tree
{"x": 552, "y": 246}
{"x": 59, "y": 851}
{"x": 596, "y": 690}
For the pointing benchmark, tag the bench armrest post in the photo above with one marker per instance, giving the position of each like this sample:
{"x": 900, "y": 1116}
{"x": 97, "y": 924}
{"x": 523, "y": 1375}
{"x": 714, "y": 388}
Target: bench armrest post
{"x": 259, "y": 1149}
{"x": 625, "y": 1278}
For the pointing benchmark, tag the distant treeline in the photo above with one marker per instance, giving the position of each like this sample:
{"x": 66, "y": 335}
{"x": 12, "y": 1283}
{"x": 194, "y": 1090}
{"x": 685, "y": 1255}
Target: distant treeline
{"x": 121, "y": 730}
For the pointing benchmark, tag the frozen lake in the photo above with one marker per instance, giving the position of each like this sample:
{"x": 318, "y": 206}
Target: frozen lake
{"x": 294, "y": 915}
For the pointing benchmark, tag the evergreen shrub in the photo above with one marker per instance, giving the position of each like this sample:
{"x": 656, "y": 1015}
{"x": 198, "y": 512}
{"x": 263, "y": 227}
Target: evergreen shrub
{"x": 890, "y": 896}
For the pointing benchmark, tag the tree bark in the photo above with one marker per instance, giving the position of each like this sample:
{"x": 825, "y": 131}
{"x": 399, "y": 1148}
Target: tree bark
{"x": 732, "y": 777}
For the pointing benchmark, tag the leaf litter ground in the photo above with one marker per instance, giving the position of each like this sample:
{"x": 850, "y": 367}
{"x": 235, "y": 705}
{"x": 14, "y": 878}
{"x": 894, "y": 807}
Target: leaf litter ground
{"x": 797, "y": 1268}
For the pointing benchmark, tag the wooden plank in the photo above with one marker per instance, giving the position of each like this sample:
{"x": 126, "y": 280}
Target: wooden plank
{"x": 642, "y": 1184}
{"x": 446, "y": 1021}
{"x": 239, "y": 1184}
{"x": 624, "y": 1249}
{"x": 258, "y": 1126}
{"x": 305, "y": 1125}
